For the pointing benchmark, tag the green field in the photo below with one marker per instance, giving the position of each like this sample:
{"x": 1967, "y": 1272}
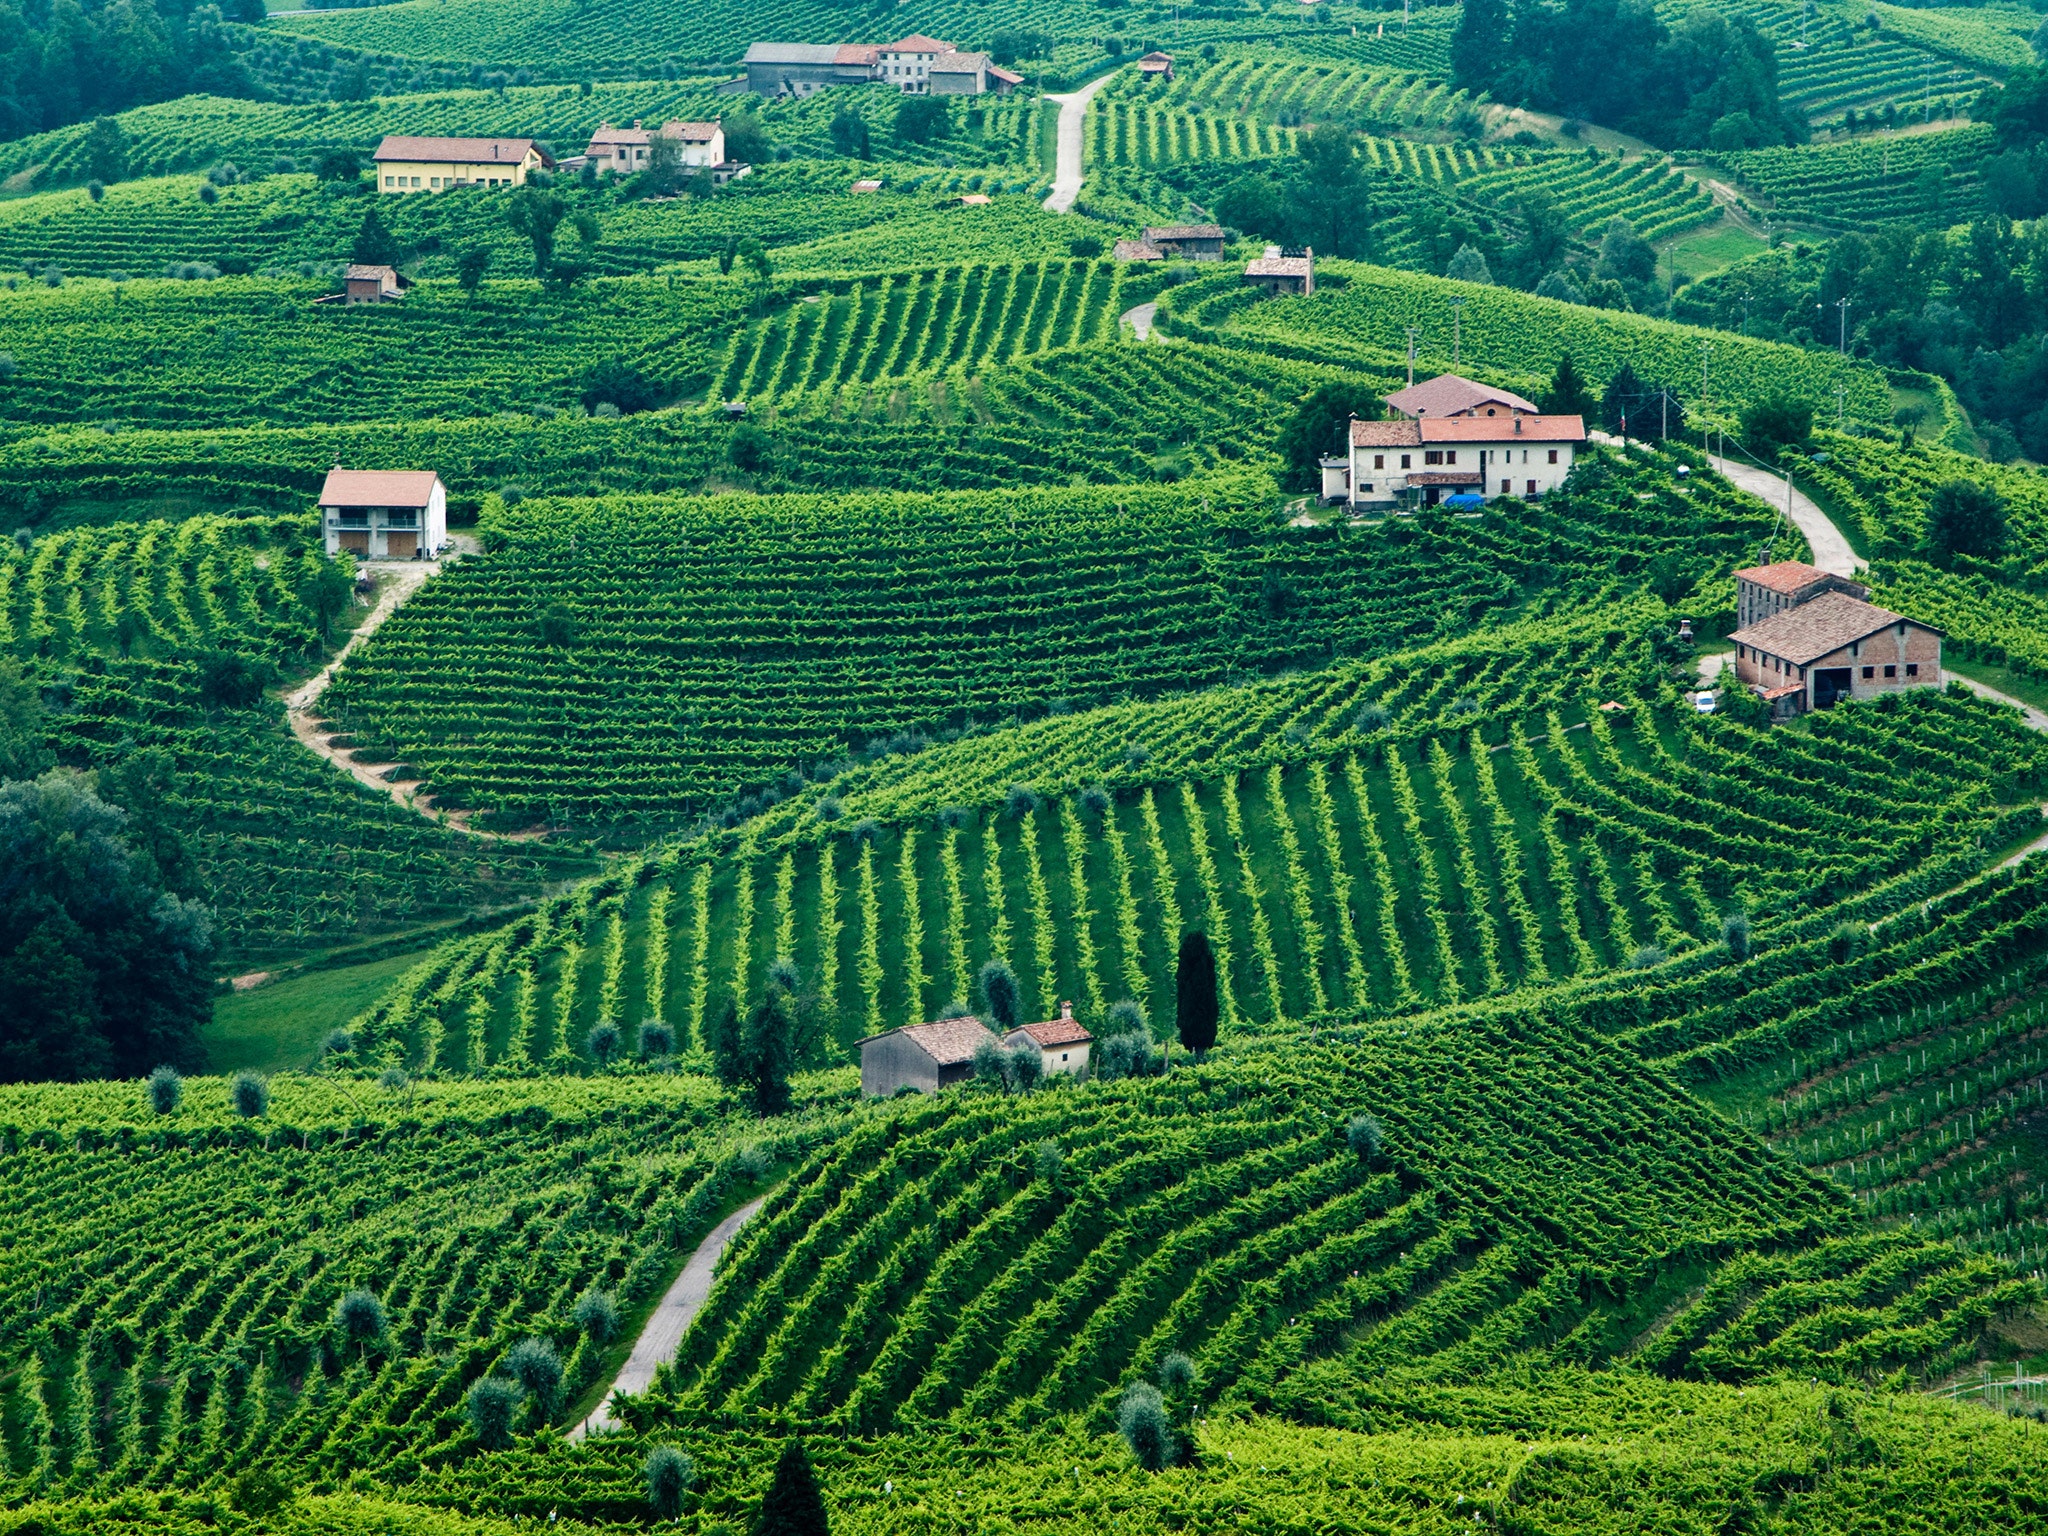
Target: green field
{"x": 280, "y": 1026}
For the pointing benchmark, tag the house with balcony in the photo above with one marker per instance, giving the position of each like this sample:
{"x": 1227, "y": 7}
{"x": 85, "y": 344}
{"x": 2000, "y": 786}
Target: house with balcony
{"x": 384, "y": 514}
{"x": 1417, "y": 462}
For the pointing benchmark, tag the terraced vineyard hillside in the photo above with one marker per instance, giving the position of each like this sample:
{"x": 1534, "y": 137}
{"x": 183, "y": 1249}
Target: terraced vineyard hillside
{"x": 1929, "y": 176}
{"x": 1433, "y": 866}
{"x": 763, "y": 665}
{"x": 1222, "y": 1214}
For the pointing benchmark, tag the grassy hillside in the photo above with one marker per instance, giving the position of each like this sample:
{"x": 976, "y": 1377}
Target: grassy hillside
{"x": 774, "y": 636}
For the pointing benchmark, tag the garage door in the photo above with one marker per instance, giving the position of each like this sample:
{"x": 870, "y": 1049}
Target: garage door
{"x": 356, "y": 539}
{"x": 403, "y": 546}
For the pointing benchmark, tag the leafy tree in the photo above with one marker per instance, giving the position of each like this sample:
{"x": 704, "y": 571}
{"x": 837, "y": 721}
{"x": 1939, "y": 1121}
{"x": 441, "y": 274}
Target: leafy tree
{"x": 670, "y": 1474}
{"x": 535, "y": 213}
{"x": 1011, "y": 44}
{"x": 597, "y": 1314}
{"x": 1194, "y": 993}
{"x": 360, "y": 1316}
{"x": 22, "y": 752}
{"x": 920, "y": 119}
{"x": 470, "y": 267}
{"x": 103, "y": 971}
{"x": 1559, "y": 285}
{"x": 793, "y": 1505}
{"x": 1774, "y": 424}
{"x": 166, "y": 1089}
{"x": 603, "y": 1040}
{"x": 1255, "y": 204}
{"x": 1568, "y": 394}
{"x": 848, "y": 132}
{"x": 727, "y": 253}
{"x": 534, "y": 1364}
{"x": 750, "y": 450}
{"x": 619, "y": 383}
{"x": 250, "y": 1095}
{"x": 374, "y": 246}
{"x": 1363, "y": 1134}
{"x": 656, "y": 1039}
{"x": 1141, "y": 1420}
{"x": 1318, "y": 426}
{"x": 1626, "y": 257}
{"x": 1735, "y": 934}
{"x": 338, "y": 165}
{"x": 990, "y": 1069}
{"x": 770, "y": 1052}
{"x": 1546, "y": 240}
{"x": 746, "y": 140}
{"x": 1000, "y": 999}
{"x": 106, "y": 151}
{"x": 233, "y": 679}
{"x": 1330, "y": 201}
{"x": 1480, "y": 44}
{"x": 1469, "y": 266}
{"x": 1965, "y": 518}
{"x": 327, "y": 592}
{"x": 490, "y": 1404}
{"x": 1023, "y": 1067}
{"x": 726, "y": 1040}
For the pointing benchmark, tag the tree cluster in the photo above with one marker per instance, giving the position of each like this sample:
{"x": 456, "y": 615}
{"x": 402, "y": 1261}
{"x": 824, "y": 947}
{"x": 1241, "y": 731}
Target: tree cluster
{"x": 65, "y": 62}
{"x": 1709, "y": 82}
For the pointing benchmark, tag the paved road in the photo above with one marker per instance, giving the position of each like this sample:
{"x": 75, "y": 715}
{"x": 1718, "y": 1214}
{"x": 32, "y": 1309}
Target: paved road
{"x": 663, "y": 1334}
{"x": 1066, "y": 180}
{"x": 1139, "y": 319}
{"x": 1831, "y": 551}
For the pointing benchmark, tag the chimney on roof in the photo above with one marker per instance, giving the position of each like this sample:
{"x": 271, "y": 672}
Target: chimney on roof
{"x": 636, "y": 122}
{"x": 1066, "y": 1012}
{"x": 1518, "y": 421}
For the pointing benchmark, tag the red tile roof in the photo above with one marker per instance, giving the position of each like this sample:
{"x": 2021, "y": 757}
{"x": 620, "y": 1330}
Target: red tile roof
{"x": 1814, "y": 629}
{"x": 1449, "y": 393}
{"x": 1411, "y": 432}
{"x": 1137, "y": 250}
{"x": 917, "y": 42}
{"x": 857, "y": 53}
{"x": 378, "y": 487}
{"x": 1790, "y": 577}
{"x": 1280, "y": 266}
{"x": 1005, "y": 75}
{"x": 1064, "y": 1030}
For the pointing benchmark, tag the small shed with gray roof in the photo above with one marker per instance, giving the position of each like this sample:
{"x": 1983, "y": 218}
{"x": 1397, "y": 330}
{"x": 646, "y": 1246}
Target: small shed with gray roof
{"x": 926, "y": 1057}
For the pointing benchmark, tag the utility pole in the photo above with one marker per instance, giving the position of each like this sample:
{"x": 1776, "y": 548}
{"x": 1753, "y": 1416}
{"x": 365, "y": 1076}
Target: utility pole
{"x": 1842, "y": 342}
{"x": 1411, "y": 357}
{"x": 1706, "y": 441}
{"x": 1457, "y": 328}
{"x": 1664, "y": 420}
{"x": 1841, "y": 401}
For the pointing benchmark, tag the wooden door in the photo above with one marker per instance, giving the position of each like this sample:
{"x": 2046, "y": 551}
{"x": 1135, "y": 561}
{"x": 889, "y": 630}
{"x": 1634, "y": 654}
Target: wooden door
{"x": 403, "y": 546}
{"x": 356, "y": 540}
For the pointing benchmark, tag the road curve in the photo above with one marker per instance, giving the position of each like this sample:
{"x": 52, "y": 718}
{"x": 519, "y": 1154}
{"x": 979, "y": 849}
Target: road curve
{"x": 1066, "y": 180}
{"x": 1831, "y": 551}
{"x": 659, "y": 1340}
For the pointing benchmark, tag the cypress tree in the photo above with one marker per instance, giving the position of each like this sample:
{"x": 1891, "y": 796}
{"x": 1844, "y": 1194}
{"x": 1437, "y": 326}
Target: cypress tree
{"x": 1195, "y": 1007}
{"x": 793, "y": 1506}
{"x": 999, "y": 997}
{"x": 727, "y": 1045}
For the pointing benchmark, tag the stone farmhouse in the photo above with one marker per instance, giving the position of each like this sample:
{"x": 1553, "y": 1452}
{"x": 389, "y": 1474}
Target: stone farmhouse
{"x": 1062, "y": 1044}
{"x": 916, "y": 65}
{"x": 384, "y": 514}
{"x": 926, "y": 1057}
{"x": 373, "y": 285}
{"x": 622, "y": 151}
{"x": 1283, "y": 269}
{"x": 406, "y": 163}
{"x": 1197, "y": 242}
{"x": 1810, "y": 639}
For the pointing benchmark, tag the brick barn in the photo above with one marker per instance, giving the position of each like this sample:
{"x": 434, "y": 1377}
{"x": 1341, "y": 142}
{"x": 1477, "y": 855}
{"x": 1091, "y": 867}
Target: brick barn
{"x": 1809, "y": 640}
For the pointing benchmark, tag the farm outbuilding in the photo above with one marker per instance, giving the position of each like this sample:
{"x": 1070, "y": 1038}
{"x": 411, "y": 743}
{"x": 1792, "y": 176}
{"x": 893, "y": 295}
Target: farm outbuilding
{"x": 1829, "y": 644}
{"x": 926, "y": 1057}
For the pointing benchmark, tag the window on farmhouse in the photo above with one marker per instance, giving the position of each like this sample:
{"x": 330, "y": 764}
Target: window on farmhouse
{"x": 1404, "y": 461}
{"x": 1553, "y": 455}
{"x": 1912, "y": 669}
{"x": 1434, "y": 456}
{"x": 1379, "y": 461}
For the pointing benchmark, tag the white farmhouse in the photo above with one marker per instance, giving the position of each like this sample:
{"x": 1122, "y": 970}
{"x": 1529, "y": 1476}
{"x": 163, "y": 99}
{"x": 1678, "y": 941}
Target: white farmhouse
{"x": 384, "y": 514}
{"x": 1419, "y": 461}
{"x": 1062, "y": 1044}
{"x": 907, "y": 64}
{"x": 622, "y": 151}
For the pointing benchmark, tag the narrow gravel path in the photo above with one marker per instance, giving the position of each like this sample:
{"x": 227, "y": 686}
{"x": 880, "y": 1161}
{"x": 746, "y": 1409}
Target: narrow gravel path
{"x": 1066, "y": 179}
{"x": 1831, "y": 551}
{"x": 663, "y": 1334}
{"x": 1139, "y": 319}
